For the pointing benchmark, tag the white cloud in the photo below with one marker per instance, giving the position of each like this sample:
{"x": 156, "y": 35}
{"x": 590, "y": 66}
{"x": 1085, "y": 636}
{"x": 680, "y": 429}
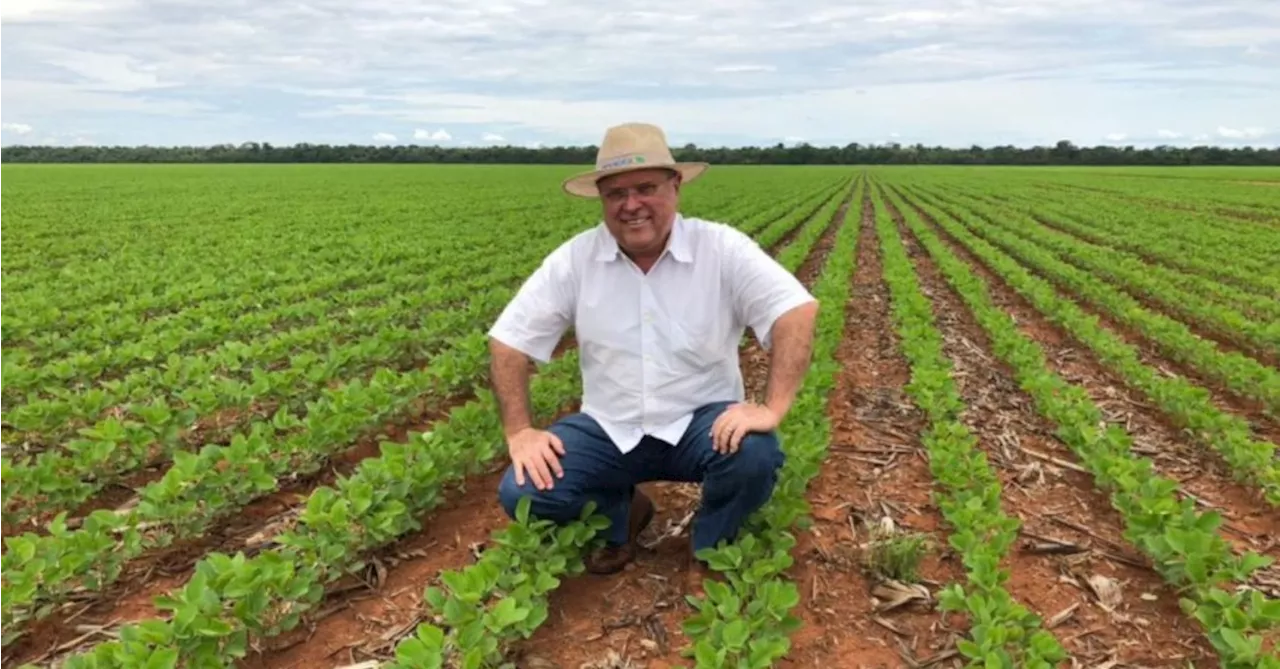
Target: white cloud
{"x": 742, "y": 69}
{"x": 384, "y": 137}
{"x": 437, "y": 136}
{"x": 1116, "y": 137}
{"x": 17, "y": 128}
{"x": 107, "y": 71}
{"x": 492, "y": 137}
{"x": 29, "y": 10}
{"x": 1241, "y": 133}
{"x": 922, "y": 16}
{"x": 1168, "y": 134}
{"x": 942, "y": 71}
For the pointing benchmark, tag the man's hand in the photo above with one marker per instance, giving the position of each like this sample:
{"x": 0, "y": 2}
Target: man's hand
{"x": 534, "y": 452}
{"x": 738, "y": 420}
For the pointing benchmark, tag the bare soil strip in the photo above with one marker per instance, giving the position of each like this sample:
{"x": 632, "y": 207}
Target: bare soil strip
{"x": 876, "y": 471}
{"x": 1072, "y": 543}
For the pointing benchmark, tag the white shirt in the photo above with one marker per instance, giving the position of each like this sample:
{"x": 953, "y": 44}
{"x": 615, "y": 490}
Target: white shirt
{"x": 652, "y": 347}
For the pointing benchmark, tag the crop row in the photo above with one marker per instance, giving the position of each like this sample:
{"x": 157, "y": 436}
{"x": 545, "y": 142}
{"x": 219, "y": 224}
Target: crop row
{"x": 202, "y": 488}
{"x": 1183, "y": 545}
{"x": 1216, "y": 237}
{"x": 230, "y": 599}
{"x": 224, "y": 266}
{"x": 233, "y": 601}
{"x": 1135, "y": 276}
{"x": 223, "y": 248}
{"x": 1205, "y": 276}
{"x": 1224, "y": 236}
{"x": 1002, "y": 633}
{"x": 271, "y": 366}
{"x": 204, "y": 386}
{"x": 1188, "y": 405}
{"x": 1242, "y": 374}
{"x": 119, "y": 343}
{"x": 155, "y": 432}
{"x": 1197, "y": 243}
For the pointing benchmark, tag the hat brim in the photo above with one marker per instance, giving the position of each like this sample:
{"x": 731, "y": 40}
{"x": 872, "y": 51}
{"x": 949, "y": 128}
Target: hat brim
{"x": 584, "y": 184}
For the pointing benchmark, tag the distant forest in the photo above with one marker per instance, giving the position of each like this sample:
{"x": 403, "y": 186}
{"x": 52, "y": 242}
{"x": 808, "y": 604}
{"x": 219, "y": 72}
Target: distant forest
{"x": 1062, "y": 153}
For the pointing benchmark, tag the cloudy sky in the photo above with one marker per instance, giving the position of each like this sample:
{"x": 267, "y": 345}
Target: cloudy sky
{"x": 715, "y": 72}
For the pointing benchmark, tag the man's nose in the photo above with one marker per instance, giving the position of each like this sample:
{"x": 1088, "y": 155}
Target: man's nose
{"x": 632, "y": 202}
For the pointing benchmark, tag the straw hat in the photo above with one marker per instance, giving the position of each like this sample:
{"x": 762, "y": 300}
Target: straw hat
{"x": 626, "y": 148}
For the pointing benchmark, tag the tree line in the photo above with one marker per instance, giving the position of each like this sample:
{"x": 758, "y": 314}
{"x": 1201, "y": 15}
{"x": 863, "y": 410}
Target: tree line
{"x": 1062, "y": 153}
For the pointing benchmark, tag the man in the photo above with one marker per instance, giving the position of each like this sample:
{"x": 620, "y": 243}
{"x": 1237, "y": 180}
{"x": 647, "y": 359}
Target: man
{"x": 659, "y": 303}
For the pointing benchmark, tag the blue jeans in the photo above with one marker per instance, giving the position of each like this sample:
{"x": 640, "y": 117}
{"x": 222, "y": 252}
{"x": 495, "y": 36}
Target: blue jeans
{"x": 733, "y": 486}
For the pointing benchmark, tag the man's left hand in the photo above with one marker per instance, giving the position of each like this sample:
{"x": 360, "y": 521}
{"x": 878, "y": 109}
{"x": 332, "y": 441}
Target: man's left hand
{"x": 739, "y": 420}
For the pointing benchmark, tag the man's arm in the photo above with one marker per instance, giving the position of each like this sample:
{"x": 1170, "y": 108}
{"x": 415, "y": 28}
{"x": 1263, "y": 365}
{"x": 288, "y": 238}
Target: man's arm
{"x": 529, "y": 329}
{"x": 509, "y": 371}
{"x": 789, "y": 357}
{"x": 781, "y": 313}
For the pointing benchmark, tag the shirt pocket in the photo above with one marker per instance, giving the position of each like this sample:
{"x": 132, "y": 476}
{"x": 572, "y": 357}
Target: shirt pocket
{"x": 697, "y": 340}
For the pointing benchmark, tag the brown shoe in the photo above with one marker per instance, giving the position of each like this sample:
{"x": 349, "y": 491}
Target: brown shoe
{"x": 611, "y": 559}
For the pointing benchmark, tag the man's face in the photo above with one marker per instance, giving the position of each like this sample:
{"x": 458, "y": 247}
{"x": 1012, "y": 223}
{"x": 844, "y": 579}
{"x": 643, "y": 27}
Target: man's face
{"x": 640, "y": 208}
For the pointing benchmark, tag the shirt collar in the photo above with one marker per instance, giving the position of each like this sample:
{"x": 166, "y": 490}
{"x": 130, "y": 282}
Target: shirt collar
{"x": 677, "y": 244}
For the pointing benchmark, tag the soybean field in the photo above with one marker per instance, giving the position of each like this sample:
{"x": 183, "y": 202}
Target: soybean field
{"x": 247, "y": 423}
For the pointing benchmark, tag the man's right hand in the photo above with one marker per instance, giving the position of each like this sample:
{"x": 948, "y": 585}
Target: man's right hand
{"x": 533, "y": 452}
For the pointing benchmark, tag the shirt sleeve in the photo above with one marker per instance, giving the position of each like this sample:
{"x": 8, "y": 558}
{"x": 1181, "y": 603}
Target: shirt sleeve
{"x": 762, "y": 289}
{"x": 540, "y": 313}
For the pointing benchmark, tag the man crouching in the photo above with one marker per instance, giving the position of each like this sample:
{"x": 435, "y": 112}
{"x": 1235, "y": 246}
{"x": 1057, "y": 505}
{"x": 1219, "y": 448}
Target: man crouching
{"x": 659, "y": 303}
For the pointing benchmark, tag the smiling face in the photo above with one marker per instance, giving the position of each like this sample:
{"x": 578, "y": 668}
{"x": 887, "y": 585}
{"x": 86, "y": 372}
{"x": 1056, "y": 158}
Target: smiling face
{"x": 639, "y": 209}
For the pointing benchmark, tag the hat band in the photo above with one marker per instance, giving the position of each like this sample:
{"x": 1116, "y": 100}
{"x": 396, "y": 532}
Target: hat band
{"x": 622, "y": 161}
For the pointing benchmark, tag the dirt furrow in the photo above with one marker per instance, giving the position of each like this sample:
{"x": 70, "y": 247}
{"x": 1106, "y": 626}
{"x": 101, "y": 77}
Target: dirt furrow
{"x": 1227, "y": 400}
{"x": 1251, "y": 523}
{"x": 157, "y": 572}
{"x": 364, "y": 616}
{"x": 875, "y": 473}
{"x": 1072, "y": 542}
{"x": 791, "y": 234}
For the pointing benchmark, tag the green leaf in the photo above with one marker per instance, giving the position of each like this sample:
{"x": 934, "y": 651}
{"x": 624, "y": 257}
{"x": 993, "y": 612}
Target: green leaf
{"x": 508, "y": 613}
{"x": 707, "y": 656}
{"x": 163, "y": 658}
{"x": 735, "y": 635}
